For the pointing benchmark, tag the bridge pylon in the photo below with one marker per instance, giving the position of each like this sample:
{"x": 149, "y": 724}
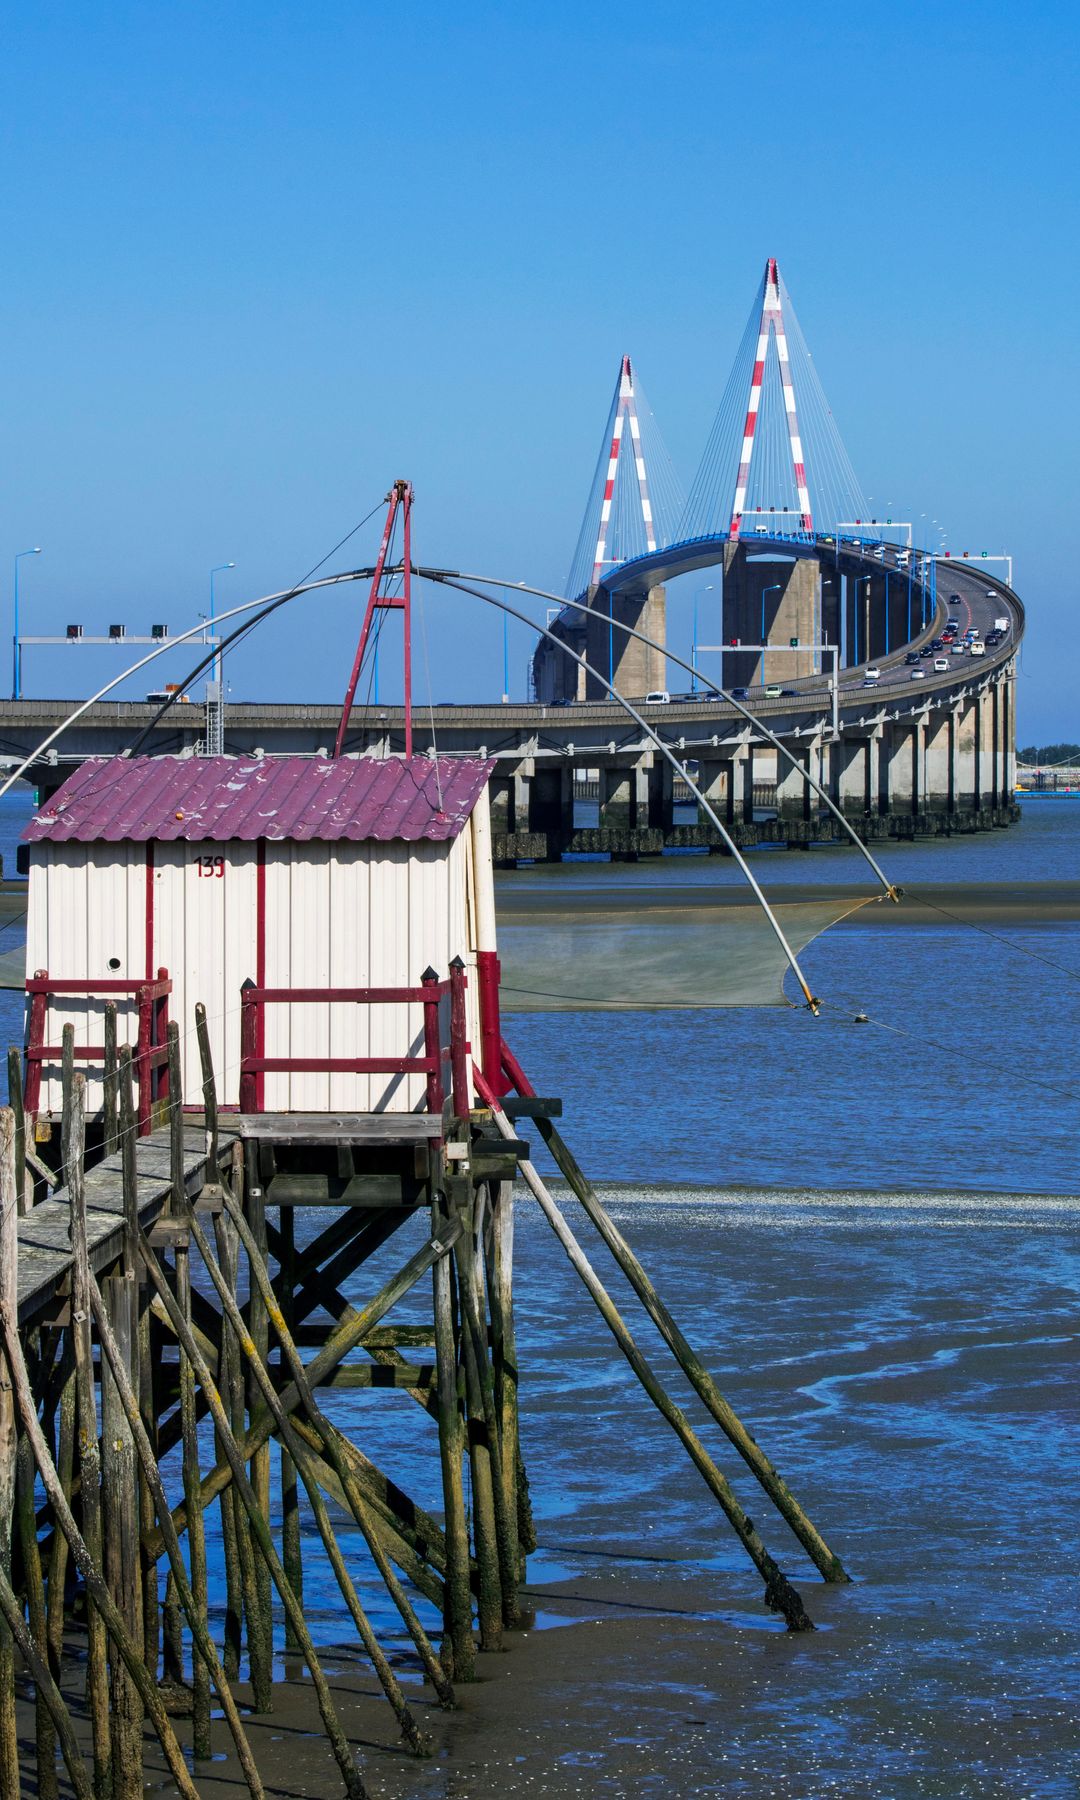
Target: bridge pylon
{"x": 775, "y": 462}
{"x": 634, "y": 500}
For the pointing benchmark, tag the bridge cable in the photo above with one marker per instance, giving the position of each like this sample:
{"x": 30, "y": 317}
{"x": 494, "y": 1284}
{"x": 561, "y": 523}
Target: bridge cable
{"x": 891, "y": 891}
{"x": 241, "y": 631}
{"x": 269, "y": 602}
{"x": 446, "y": 578}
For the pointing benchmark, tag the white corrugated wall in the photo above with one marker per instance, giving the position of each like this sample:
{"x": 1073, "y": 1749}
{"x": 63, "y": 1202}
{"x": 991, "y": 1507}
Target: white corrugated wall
{"x": 341, "y": 915}
{"x": 82, "y": 915}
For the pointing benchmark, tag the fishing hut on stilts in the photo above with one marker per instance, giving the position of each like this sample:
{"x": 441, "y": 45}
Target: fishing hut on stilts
{"x": 262, "y": 985}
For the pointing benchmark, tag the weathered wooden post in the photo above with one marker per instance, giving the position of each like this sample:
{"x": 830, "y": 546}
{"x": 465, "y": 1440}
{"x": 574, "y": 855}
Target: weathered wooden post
{"x": 119, "y": 1471}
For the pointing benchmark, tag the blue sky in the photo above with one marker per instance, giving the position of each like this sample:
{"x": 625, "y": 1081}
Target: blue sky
{"x": 262, "y": 259}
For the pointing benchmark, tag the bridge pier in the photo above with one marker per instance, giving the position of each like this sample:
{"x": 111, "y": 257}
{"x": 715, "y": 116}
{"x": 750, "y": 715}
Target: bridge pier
{"x": 940, "y": 762}
{"x": 769, "y": 597}
{"x": 794, "y": 795}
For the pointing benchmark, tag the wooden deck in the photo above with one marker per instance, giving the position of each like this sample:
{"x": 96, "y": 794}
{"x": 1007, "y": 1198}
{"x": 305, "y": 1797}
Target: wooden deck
{"x": 335, "y": 1128}
{"x": 44, "y": 1253}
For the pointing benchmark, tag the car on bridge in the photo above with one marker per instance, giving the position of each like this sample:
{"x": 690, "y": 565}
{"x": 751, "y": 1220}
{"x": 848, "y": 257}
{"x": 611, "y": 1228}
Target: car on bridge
{"x": 941, "y": 665}
{"x": 911, "y": 658}
{"x": 918, "y": 674}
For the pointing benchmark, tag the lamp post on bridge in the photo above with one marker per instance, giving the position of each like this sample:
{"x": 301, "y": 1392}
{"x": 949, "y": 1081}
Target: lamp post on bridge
{"x": 693, "y": 656}
{"x": 215, "y": 666}
{"x": 774, "y": 587}
{"x": 215, "y": 710}
{"x": 16, "y": 660}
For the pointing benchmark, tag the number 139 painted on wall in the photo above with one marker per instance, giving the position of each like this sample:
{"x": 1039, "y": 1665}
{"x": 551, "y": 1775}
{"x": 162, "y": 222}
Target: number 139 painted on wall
{"x": 210, "y": 867}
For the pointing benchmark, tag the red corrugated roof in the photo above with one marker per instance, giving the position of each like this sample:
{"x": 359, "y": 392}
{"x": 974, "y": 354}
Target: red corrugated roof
{"x": 222, "y": 797}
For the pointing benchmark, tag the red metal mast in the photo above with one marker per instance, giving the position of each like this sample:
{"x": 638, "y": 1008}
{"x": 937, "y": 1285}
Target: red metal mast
{"x": 400, "y": 498}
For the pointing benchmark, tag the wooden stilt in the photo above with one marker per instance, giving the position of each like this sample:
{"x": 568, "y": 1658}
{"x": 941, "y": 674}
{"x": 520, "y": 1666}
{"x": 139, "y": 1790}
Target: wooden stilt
{"x": 13, "y": 1629}
{"x": 342, "y": 1754}
{"x": 88, "y": 1567}
{"x": 24, "y": 1192}
{"x": 475, "y": 1316}
{"x": 97, "y": 1679}
{"x": 459, "y": 1648}
{"x": 341, "y": 1340}
{"x": 390, "y": 1685}
{"x": 45, "y": 1731}
{"x": 485, "y": 1540}
{"x": 65, "y": 1468}
{"x": 180, "y": 1587}
{"x": 200, "y": 1688}
{"x": 110, "y": 1082}
{"x": 121, "y": 1535}
{"x": 172, "y": 1634}
{"x": 143, "y": 1365}
{"x": 499, "y": 1257}
{"x": 229, "y": 1351}
{"x": 693, "y": 1368}
{"x": 779, "y": 1592}
{"x": 291, "y": 1555}
{"x": 8, "y": 1466}
{"x": 260, "y": 1624}
{"x": 260, "y": 1663}
{"x": 349, "y": 1485}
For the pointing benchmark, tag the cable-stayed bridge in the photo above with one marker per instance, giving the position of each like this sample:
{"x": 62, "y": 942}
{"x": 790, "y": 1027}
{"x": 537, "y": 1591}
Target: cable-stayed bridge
{"x": 829, "y": 629}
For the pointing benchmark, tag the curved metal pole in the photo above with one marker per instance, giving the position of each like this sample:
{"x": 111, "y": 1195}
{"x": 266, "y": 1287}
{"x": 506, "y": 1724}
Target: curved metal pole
{"x": 193, "y": 631}
{"x": 891, "y": 891}
{"x": 443, "y": 578}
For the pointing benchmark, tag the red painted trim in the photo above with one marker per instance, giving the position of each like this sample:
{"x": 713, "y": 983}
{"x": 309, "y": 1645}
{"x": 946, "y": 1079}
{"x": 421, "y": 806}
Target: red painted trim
{"x": 41, "y": 984}
{"x": 258, "y": 1016}
{"x": 149, "y": 905}
{"x": 339, "y": 1065}
{"x": 488, "y": 971}
{"x": 484, "y": 1092}
{"x": 516, "y": 1073}
{"x": 363, "y": 996}
{"x": 459, "y": 1067}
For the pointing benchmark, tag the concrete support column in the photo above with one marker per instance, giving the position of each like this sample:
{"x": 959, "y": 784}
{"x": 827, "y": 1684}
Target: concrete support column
{"x": 501, "y": 800}
{"x": 995, "y": 745}
{"x": 904, "y": 771}
{"x": 851, "y": 776}
{"x": 878, "y": 774}
{"x": 617, "y": 796}
{"x": 938, "y": 792}
{"x": 714, "y": 778}
{"x": 661, "y": 801}
{"x": 1008, "y": 738}
{"x": 551, "y": 802}
{"x": 793, "y": 791}
{"x": 743, "y": 785}
{"x": 965, "y": 759}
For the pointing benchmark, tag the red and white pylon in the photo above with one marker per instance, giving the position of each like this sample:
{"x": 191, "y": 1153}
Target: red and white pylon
{"x": 625, "y": 409}
{"x": 772, "y": 322}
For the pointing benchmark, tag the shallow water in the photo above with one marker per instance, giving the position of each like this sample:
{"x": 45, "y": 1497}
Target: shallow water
{"x": 908, "y": 1363}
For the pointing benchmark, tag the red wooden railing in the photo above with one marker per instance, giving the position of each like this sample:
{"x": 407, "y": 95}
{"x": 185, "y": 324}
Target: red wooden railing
{"x": 255, "y": 1064}
{"x": 151, "y": 1046}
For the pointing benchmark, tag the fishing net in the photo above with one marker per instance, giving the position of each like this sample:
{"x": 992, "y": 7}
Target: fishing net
{"x": 655, "y": 948}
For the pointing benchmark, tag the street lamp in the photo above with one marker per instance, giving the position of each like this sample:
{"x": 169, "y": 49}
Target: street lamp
{"x": 693, "y": 658}
{"x": 773, "y": 588}
{"x": 16, "y": 660}
{"x": 215, "y": 666}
